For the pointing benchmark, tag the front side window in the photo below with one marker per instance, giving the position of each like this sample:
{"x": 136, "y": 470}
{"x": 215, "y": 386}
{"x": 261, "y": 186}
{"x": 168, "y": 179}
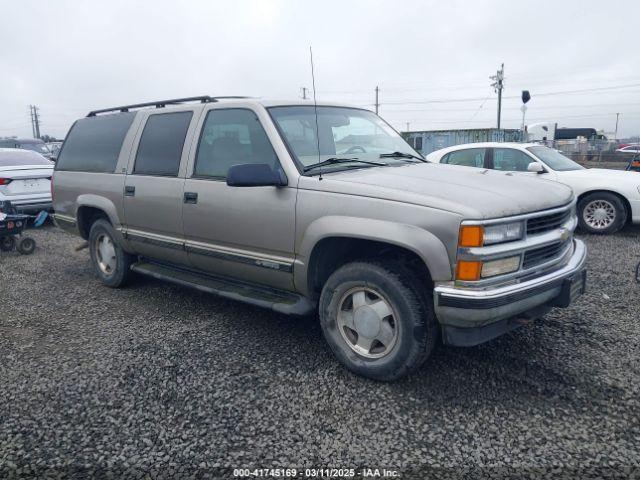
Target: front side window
{"x": 161, "y": 144}
{"x": 230, "y": 137}
{"x": 470, "y": 157}
{"x": 510, "y": 160}
{"x": 341, "y": 132}
{"x": 554, "y": 159}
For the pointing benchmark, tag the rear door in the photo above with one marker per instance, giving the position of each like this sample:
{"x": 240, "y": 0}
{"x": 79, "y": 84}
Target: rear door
{"x": 154, "y": 185}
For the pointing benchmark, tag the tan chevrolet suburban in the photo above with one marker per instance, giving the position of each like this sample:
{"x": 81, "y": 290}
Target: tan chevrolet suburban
{"x": 301, "y": 209}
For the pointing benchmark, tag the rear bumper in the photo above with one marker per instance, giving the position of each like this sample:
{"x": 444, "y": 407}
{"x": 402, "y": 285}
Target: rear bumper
{"x": 491, "y": 312}
{"x": 33, "y": 207}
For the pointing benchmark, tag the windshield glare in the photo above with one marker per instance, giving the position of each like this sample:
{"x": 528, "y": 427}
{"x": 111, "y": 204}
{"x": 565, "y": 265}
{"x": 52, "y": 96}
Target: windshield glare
{"x": 344, "y": 133}
{"x": 554, "y": 159}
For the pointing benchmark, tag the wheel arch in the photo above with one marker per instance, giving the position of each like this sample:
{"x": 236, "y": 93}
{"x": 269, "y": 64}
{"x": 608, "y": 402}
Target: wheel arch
{"x": 330, "y": 242}
{"x": 90, "y": 208}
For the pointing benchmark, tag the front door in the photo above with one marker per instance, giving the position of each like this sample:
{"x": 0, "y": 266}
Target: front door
{"x": 242, "y": 232}
{"x": 154, "y": 186}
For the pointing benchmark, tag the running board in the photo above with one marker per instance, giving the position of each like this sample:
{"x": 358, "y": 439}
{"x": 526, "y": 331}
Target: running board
{"x": 276, "y": 300}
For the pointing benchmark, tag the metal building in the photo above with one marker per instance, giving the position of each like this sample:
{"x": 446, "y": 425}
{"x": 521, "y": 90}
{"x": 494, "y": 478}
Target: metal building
{"x": 431, "y": 140}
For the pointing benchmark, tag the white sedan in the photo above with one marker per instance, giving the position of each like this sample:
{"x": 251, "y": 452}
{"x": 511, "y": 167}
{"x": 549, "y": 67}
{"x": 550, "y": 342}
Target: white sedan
{"x": 25, "y": 179}
{"x": 607, "y": 199}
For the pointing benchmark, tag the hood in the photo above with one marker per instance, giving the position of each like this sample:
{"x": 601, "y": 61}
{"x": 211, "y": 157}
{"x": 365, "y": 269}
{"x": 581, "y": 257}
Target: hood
{"x": 472, "y": 193}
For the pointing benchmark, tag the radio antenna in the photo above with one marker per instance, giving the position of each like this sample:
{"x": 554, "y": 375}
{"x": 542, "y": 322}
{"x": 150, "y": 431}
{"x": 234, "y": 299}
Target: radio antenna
{"x": 315, "y": 108}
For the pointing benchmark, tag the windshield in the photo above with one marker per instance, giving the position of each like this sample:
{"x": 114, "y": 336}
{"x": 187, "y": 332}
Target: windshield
{"x": 344, "y": 133}
{"x": 36, "y": 147}
{"x": 554, "y": 159}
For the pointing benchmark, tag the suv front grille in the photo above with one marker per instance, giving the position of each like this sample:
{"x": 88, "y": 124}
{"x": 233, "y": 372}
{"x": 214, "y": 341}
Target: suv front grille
{"x": 541, "y": 255}
{"x": 547, "y": 223}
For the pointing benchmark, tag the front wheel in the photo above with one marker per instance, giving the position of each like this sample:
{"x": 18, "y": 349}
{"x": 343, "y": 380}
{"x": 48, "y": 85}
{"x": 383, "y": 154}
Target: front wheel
{"x": 378, "y": 319}
{"x": 111, "y": 263}
{"x": 601, "y": 213}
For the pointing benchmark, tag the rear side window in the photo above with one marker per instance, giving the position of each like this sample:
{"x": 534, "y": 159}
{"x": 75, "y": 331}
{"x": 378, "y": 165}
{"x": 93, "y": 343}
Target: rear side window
{"x": 470, "y": 157}
{"x": 161, "y": 144}
{"x": 94, "y": 143}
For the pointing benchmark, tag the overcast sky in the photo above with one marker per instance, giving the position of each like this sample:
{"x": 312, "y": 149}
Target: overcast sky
{"x": 432, "y": 60}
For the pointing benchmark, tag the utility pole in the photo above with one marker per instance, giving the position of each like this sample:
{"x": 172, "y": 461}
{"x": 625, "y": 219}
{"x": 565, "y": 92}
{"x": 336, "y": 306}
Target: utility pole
{"x": 377, "y": 103}
{"x": 615, "y": 136}
{"x": 36, "y": 121}
{"x": 498, "y": 85}
{"x": 304, "y": 93}
{"x": 407, "y": 126}
{"x": 33, "y": 125}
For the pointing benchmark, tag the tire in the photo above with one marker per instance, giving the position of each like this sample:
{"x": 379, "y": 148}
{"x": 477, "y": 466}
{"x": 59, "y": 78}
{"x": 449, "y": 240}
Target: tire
{"x": 26, "y": 246}
{"x": 7, "y": 243}
{"x": 110, "y": 262}
{"x": 412, "y": 319}
{"x": 601, "y": 213}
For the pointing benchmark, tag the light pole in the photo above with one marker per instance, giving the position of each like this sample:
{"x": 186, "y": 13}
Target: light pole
{"x": 526, "y": 96}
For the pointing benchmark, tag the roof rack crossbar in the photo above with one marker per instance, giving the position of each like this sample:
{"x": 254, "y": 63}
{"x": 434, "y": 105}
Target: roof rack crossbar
{"x": 160, "y": 104}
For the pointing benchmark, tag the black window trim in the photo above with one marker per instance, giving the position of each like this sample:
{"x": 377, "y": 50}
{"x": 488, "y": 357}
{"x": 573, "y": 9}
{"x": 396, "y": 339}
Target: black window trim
{"x": 217, "y": 178}
{"x": 184, "y": 142}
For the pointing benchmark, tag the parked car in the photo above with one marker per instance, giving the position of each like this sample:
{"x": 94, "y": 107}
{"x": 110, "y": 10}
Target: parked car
{"x": 34, "y": 144}
{"x": 607, "y": 199}
{"x": 241, "y": 198}
{"x": 54, "y": 148}
{"x": 629, "y": 150}
{"x": 25, "y": 180}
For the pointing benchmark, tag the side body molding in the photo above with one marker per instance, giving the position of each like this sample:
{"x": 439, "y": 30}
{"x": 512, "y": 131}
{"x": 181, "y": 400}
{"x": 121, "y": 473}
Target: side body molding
{"x": 423, "y": 243}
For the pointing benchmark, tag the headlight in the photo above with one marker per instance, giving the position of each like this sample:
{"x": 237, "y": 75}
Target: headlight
{"x": 500, "y": 267}
{"x": 505, "y": 232}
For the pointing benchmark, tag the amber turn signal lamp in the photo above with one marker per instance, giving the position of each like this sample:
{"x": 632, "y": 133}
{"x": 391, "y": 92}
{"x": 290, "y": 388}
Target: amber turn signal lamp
{"x": 468, "y": 271}
{"x": 470, "y": 236}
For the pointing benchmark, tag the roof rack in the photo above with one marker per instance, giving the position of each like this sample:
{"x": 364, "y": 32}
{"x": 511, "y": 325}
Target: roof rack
{"x": 161, "y": 104}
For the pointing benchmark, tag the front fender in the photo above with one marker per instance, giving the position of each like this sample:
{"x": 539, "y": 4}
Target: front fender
{"x": 422, "y": 242}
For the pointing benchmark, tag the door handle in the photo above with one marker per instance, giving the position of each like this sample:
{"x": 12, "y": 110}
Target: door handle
{"x": 129, "y": 190}
{"x": 190, "y": 197}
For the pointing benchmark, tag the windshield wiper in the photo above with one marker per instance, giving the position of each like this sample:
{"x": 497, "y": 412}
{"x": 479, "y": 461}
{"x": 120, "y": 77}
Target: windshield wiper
{"x": 337, "y": 160}
{"x": 401, "y": 155}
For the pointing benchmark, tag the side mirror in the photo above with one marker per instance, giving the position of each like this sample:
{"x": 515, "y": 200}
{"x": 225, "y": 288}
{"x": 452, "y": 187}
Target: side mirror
{"x": 535, "y": 167}
{"x": 255, "y": 175}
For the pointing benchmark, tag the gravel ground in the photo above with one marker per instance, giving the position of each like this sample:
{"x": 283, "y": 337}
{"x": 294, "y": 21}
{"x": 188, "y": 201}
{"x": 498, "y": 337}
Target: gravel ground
{"x": 158, "y": 381}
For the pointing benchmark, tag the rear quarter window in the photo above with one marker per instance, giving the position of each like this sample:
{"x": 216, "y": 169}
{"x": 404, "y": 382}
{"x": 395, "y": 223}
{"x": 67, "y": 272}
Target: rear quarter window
{"x": 94, "y": 143}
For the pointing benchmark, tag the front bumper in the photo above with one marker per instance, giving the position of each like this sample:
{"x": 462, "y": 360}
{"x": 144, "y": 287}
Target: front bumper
{"x": 469, "y": 317}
